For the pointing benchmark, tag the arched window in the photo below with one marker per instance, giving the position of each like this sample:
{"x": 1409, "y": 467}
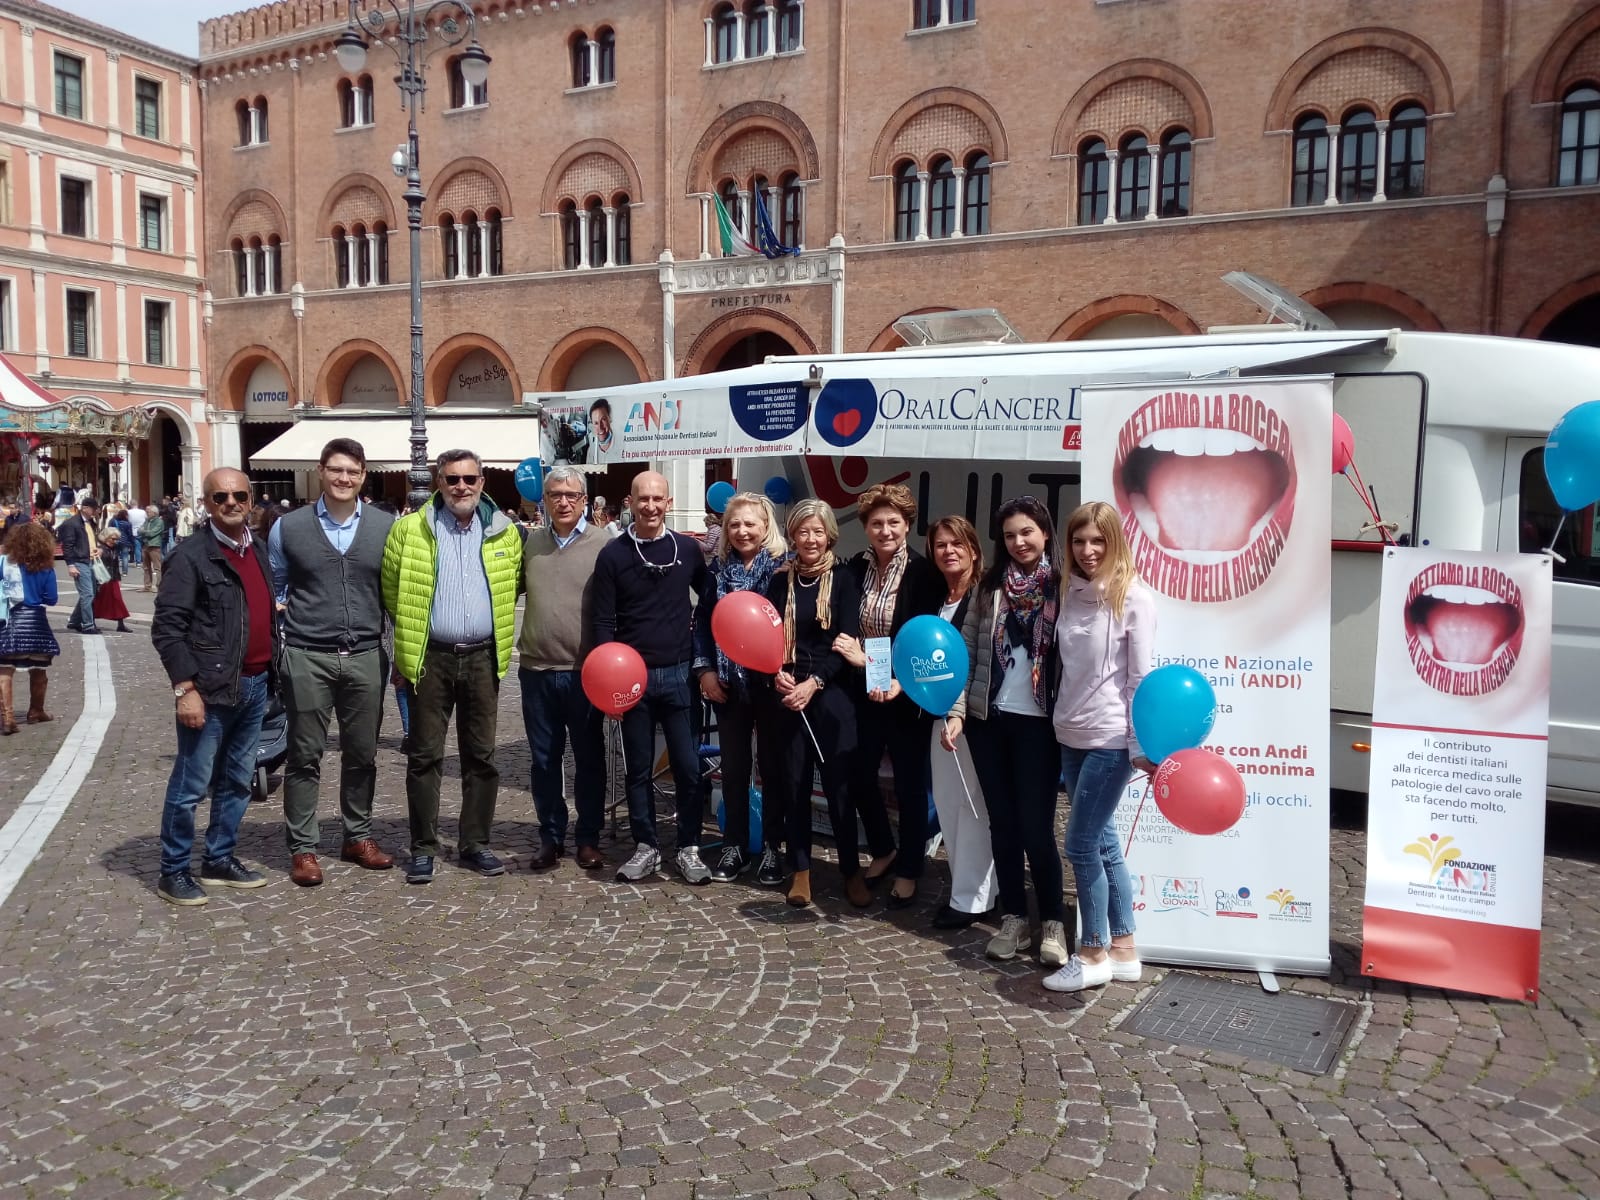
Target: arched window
{"x": 274, "y": 277}
{"x": 341, "y": 257}
{"x": 1408, "y": 151}
{"x": 907, "y": 201}
{"x": 1133, "y": 178}
{"x": 1358, "y": 157}
{"x": 607, "y": 57}
{"x": 380, "y": 257}
{"x": 241, "y": 114}
{"x": 355, "y": 102}
{"x": 1094, "y": 183}
{"x": 1579, "y": 159}
{"x": 791, "y": 231}
{"x": 755, "y": 29}
{"x": 597, "y": 233}
{"x": 1310, "y": 182}
{"x": 469, "y": 222}
{"x": 571, "y": 239}
{"x": 1177, "y": 153}
{"x": 941, "y": 198}
{"x": 791, "y": 29}
{"x": 449, "y": 245}
{"x": 241, "y": 268}
{"x": 462, "y": 93}
{"x": 259, "y": 109}
{"x": 251, "y": 116}
{"x": 725, "y": 33}
{"x": 580, "y": 60}
{"x": 975, "y": 214}
{"x": 497, "y": 262}
{"x": 624, "y": 220}
{"x": 729, "y": 192}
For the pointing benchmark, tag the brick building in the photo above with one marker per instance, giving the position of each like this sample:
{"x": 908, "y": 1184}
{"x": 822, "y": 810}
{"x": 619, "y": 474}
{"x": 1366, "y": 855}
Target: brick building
{"x": 1434, "y": 165}
{"x": 101, "y": 291}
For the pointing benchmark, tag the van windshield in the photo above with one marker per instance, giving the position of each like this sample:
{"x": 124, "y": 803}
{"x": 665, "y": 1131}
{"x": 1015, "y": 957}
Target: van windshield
{"x": 1538, "y": 515}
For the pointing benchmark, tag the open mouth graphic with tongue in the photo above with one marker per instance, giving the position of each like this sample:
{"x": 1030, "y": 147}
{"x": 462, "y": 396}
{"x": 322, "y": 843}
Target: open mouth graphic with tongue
{"x": 1206, "y": 486}
{"x": 1464, "y": 627}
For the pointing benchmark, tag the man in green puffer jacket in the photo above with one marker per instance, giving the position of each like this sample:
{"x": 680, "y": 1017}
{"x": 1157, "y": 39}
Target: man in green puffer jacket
{"x": 451, "y": 575}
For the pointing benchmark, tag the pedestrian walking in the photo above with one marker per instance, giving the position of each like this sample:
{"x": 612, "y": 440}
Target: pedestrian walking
{"x": 136, "y": 519}
{"x": 80, "y": 550}
{"x": 327, "y": 568}
{"x": 557, "y": 633}
{"x": 151, "y": 536}
{"x": 452, "y": 572}
{"x": 28, "y": 584}
{"x": 215, "y": 633}
{"x": 1106, "y": 634}
{"x": 108, "y": 602}
{"x": 643, "y": 582}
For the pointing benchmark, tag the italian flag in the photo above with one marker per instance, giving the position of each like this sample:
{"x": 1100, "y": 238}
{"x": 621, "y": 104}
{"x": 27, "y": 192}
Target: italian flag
{"x": 733, "y": 242}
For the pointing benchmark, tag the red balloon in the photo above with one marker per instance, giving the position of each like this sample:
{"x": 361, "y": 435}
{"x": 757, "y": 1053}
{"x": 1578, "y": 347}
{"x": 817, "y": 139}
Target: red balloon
{"x": 1199, "y": 792}
{"x": 614, "y": 677}
{"x": 750, "y": 631}
{"x": 1344, "y": 444}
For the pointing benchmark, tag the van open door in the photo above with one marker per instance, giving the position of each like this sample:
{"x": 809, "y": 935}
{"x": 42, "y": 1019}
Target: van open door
{"x": 1529, "y": 516}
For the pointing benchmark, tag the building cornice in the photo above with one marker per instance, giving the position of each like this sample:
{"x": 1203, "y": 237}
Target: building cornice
{"x": 55, "y": 20}
{"x": 19, "y": 259}
{"x": 21, "y": 137}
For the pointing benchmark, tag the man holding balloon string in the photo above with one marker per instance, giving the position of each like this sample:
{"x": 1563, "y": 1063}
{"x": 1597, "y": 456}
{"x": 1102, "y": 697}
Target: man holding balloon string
{"x": 643, "y": 582}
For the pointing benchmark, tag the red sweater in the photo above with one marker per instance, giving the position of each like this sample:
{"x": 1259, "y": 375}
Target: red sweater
{"x": 258, "y": 602}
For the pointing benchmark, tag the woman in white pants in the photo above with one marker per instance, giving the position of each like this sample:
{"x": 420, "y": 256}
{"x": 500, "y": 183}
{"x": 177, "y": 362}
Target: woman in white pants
{"x": 964, "y": 821}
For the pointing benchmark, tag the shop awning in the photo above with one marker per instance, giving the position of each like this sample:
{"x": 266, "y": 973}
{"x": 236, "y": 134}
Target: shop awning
{"x": 499, "y": 441}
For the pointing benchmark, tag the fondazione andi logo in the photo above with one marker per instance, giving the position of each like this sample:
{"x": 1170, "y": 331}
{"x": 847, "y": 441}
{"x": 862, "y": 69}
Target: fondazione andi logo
{"x": 1448, "y": 870}
{"x": 1286, "y": 907}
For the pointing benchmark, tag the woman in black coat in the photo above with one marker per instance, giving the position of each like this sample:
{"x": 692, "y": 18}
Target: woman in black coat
{"x": 896, "y": 584}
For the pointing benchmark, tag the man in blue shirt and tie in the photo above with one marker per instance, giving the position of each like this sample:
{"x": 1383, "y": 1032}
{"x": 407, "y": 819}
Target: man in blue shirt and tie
{"x": 327, "y": 562}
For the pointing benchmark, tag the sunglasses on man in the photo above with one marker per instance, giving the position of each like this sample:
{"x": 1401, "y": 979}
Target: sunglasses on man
{"x": 238, "y": 497}
{"x": 458, "y": 480}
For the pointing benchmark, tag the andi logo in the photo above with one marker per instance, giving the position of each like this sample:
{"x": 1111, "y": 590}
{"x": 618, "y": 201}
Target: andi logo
{"x": 846, "y": 410}
{"x": 1448, "y": 872}
{"x": 1437, "y": 852}
{"x": 653, "y": 416}
{"x": 1172, "y": 893}
{"x": 1288, "y": 908}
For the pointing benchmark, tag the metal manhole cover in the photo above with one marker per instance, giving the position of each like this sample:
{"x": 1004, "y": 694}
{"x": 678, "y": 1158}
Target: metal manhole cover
{"x": 1303, "y": 1032}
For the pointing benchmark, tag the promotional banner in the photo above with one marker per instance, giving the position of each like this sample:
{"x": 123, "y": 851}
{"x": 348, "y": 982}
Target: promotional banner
{"x": 1455, "y": 818}
{"x": 951, "y": 418}
{"x": 758, "y": 419}
{"x": 1224, "y": 496}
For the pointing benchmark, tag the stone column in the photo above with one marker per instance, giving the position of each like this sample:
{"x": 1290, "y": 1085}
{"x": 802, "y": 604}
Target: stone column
{"x": 461, "y": 250}
{"x": 250, "y": 284}
{"x": 119, "y": 245}
{"x": 611, "y": 235}
{"x": 1112, "y": 188}
{"x": 961, "y": 202}
{"x": 351, "y": 262}
{"x": 1383, "y": 162}
{"x": 711, "y": 42}
{"x": 583, "y": 240}
{"x": 922, "y": 207}
{"x": 30, "y": 96}
{"x": 372, "y": 260}
{"x": 113, "y": 100}
{"x": 705, "y": 226}
{"x": 483, "y": 251}
{"x": 738, "y": 34}
{"x": 1155, "y": 182}
{"x": 1333, "y": 165}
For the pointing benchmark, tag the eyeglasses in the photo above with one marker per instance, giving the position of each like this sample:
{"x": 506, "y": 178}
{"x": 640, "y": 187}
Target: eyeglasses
{"x": 563, "y": 497}
{"x": 345, "y": 472}
{"x": 220, "y": 498}
{"x": 457, "y": 480}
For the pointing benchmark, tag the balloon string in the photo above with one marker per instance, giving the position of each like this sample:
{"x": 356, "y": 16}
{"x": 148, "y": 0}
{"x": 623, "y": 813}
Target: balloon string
{"x": 1360, "y": 486}
{"x": 814, "y": 742}
{"x": 962, "y": 775}
{"x": 1551, "y": 548}
{"x": 1132, "y": 829}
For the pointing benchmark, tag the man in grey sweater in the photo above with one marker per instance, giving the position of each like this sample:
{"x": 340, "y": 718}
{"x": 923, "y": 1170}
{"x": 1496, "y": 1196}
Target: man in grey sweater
{"x": 327, "y": 562}
{"x": 558, "y": 565}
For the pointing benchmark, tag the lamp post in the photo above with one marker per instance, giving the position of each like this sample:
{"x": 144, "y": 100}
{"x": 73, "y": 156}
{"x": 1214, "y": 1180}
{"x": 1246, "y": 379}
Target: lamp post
{"x": 406, "y": 32}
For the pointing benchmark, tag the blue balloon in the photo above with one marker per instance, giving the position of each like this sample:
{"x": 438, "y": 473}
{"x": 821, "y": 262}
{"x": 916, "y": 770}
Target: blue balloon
{"x": 778, "y": 490}
{"x": 1572, "y": 457}
{"x": 930, "y": 661}
{"x": 1174, "y": 709}
{"x": 530, "y": 479}
{"x": 718, "y": 495}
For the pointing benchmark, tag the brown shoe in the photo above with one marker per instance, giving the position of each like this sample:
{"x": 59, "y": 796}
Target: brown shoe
{"x": 590, "y": 858}
{"x": 799, "y": 890}
{"x": 548, "y": 856}
{"x": 856, "y": 891}
{"x": 304, "y": 870}
{"x": 8, "y": 722}
{"x": 38, "y": 684}
{"x": 365, "y": 853}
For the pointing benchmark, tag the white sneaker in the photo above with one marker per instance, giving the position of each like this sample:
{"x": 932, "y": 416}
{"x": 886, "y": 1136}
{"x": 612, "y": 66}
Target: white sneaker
{"x": 691, "y": 866}
{"x": 645, "y": 862}
{"x": 1127, "y": 972}
{"x": 1077, "y": 975}
{"x": 1013, "y": 936}
{"x": 1052, "y": 943}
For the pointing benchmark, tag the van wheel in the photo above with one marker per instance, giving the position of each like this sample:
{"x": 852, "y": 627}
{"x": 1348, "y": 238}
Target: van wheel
{"x": 260, "y": 785}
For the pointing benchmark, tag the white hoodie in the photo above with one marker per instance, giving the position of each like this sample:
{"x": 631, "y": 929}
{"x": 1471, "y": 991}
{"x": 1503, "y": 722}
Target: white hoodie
{"x": 1103, "y": 661}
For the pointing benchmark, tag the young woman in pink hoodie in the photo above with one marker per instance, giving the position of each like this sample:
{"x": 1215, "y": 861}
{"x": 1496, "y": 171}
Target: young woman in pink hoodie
{"x": 1106, "y": 635}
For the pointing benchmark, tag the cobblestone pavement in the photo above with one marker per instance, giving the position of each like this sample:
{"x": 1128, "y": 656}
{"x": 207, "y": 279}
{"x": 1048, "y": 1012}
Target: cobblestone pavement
{"x": 564, "y": 1035}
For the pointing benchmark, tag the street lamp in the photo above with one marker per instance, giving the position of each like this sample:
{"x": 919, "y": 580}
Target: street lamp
{"x": 406, "y": 32}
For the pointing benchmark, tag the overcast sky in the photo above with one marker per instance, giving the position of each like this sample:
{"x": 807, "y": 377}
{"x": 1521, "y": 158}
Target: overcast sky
{"x": 173, "y": 24}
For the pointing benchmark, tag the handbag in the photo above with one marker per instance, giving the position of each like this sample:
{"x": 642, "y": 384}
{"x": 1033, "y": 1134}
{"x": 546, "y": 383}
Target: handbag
{"x": 102, "y": 573}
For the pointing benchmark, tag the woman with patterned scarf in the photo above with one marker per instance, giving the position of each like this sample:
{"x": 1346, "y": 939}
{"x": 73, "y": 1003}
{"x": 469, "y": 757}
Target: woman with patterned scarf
{"x": 809, "y": 721}
{"x": 1011, "y": 685}
{"x": 752, "y": 549}
{"x": 896, "y": 584}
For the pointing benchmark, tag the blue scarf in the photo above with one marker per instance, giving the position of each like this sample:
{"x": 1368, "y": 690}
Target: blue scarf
{"x": 733, "y": 576}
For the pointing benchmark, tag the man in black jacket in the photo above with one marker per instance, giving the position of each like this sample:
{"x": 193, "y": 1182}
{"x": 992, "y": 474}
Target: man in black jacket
{"x": 79, "y": 537}
{"x": 214, "y": 631}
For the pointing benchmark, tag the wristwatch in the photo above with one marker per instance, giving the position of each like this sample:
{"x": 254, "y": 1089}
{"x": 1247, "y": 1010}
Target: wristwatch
{"x": 182, "y": 690}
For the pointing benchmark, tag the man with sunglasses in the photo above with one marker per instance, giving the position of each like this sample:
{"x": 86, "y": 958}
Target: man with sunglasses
{"x": 642, "y": 584}
{"x": 452, "y": 572}
{"x": 557, "y": 631}
{"x": 327, "y": 563}
{"x": 214, "y": 630}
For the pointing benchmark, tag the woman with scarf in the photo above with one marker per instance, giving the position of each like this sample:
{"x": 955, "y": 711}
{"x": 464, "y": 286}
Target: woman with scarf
{"x": 753, "y": 549}
{"x": 896, "y": 584}
{"x": 1010, "y": 633}
{"x": 808, "y": 718}
{"x": 957, "y": 793}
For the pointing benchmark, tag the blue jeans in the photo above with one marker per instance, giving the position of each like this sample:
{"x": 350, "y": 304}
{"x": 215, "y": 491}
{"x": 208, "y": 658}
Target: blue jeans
{"x": 554, "y": 711}
{"x": 83, "y": 615}
{"x": 402, "y": 701}
{"x": 134, "y": 550}
{"x": 224, "y": 747}
{"x": 668, "y": 700}
{"x": 1094, "y": 780}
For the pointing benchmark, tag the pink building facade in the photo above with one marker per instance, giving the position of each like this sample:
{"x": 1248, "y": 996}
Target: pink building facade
{"x": 102, "y": 297}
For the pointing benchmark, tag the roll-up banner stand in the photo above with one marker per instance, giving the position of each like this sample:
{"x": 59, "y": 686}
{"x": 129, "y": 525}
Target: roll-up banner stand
{"x": 1455, "y": 815}
{"x": 1224, "y": 496}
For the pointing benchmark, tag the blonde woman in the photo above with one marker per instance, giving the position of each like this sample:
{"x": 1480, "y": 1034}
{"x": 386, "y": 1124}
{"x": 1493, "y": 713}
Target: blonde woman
{"x": 819, "y": 600}
{"x": 1106, "y": 636}
{"x": 752, "y": 550}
